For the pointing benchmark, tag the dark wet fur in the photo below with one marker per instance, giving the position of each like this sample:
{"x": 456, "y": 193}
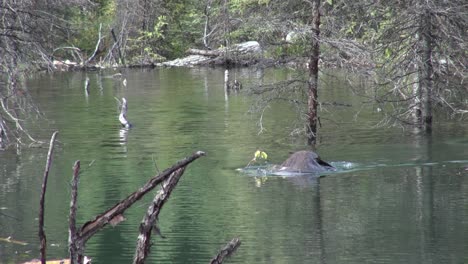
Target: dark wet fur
{"x": 306, "y": 161}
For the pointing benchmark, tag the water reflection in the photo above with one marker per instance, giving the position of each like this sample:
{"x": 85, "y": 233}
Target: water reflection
{"x": 123, "y": 134}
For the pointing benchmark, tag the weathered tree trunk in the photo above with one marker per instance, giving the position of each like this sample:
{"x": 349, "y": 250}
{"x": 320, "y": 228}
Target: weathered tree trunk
{"x": 147, "y": 224}
{"x": 42, "y": 236}
{"x": 114, "y": 215}
{"x": 75, "y": 245}
{"x": 123, "y": 114}
{"x": 91, "y": 227}
{"x": 122, "y": 59}
{"x": 226, "y": 251}
{"x": 427, "y": 72}
{"x": 313, "y": 74}
{"x": 209, "y": 53}
{"x": 423, "y": 82}
{"x": 206, "y": 32}
{"x": 416, "y": 95}
{"x": 226, "y": 29}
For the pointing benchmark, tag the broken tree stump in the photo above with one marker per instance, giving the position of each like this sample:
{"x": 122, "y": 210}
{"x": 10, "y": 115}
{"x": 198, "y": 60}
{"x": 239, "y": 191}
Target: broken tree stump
{"x": 123, "y": 114}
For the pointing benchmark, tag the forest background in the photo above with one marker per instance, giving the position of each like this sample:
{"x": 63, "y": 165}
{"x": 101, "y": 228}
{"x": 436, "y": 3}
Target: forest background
{"x": 413, "y": 52}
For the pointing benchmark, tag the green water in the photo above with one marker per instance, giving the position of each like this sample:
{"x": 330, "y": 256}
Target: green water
{"x": 397, "y": 198}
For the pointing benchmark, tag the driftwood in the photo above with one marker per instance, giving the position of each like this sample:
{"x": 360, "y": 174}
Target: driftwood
{"x": 57, "y": 261}
{"x": 208, "y": 53}
{"x": 226, "y": 251}
{"x": 42, "y": 236}
{"x": 115, "y": 213}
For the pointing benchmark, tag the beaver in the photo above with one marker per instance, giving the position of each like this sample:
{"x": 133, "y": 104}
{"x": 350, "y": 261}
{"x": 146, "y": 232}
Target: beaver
{"x": 305, "y": 162}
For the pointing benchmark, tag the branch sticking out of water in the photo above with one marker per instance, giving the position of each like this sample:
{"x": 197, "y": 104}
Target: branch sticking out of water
{"x": 149, "y": 220}
{"x": 114, "y": 215}
{"x": 226, "y": 251}
{"x": 42, "y": 236}
{"x": 123, "y": 114}
{"x": 76, "y": 249}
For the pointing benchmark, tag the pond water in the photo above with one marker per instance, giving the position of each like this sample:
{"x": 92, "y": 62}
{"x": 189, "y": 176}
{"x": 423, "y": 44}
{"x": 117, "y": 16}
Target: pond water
{"x": 396, "y": 199}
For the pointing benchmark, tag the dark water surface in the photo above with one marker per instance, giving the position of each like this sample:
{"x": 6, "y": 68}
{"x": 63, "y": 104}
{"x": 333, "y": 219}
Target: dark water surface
{"x": 397, "y": 198}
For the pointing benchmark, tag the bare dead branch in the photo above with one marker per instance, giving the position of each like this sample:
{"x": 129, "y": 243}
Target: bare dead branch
{"x": 42, "y": 236}
{"x": 149, "y": 220}
{"x": 97, "y": 46}
{"x": 75, "y": 248}
{"x": 93, "y": 226}
{"x": 226, "y": 251}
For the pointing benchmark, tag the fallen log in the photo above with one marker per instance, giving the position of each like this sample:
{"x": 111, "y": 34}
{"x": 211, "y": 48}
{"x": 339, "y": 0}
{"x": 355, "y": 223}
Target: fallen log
{"x": 208, "y": 53}
{"x": 57, "y": 261}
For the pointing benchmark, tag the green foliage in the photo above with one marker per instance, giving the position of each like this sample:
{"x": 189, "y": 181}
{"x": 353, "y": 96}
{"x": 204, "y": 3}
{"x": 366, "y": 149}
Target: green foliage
{"x": 259, "y": 155}
{"x": 242, "y": 5}
{"x": 298, "y": 49}
{"x": 86, "y": 24}
{"x": 157, "y": 34}
{"x": 142, "y": 49}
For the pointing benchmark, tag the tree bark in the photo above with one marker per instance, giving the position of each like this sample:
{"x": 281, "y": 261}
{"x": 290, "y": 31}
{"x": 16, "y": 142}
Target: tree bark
{"x": 149, "y": 221}
{"x": 209, "y": 53}
{"x": 416, "y": 95}
{"x": 114, "y": 215}
{"x": 123, "y": 114}
{"x": 427, "y": 71}
{"x": 75, "y": 247}
{"x": 122, "y": 59}
{"x": 313, "y": 74}
{"x": 226, "y": 251}
{"x": 42, "y": 236}
{"x": 93, "y": 226}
